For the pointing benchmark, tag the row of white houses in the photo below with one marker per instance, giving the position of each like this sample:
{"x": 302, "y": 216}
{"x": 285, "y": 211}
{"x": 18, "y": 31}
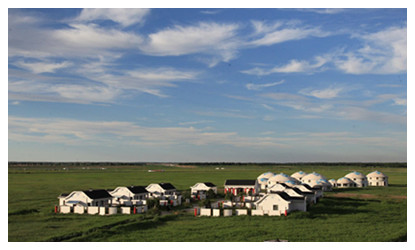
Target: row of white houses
{"x": 122, "y": 196}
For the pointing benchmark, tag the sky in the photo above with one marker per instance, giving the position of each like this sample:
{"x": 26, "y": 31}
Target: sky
{"x": 207, "y": 85}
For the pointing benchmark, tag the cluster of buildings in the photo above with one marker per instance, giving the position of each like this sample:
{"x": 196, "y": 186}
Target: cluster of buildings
{"x": 269, "y": 194}
{"x": 130, "y": 199}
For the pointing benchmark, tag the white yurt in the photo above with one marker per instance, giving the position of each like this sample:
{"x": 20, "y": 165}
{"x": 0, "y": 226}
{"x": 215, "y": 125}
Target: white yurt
{"x": 299, "y": 175}
{"x": 358, "y": 178}
{"x": 345, "y": 182}
{"x": 315, "y": 179}
{"x": 377, "y": 178}
{"x": 263, "y": 179}
{"x": 280, "y": 178}
{"x": 333, "y": 182}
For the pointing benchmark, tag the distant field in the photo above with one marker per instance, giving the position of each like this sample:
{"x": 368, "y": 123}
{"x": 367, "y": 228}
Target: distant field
{"x": 368, "y": 214}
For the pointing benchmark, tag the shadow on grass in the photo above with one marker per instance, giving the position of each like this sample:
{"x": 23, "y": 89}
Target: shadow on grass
{"x": 338, "y": 206}
{"x": 118, "y": 228}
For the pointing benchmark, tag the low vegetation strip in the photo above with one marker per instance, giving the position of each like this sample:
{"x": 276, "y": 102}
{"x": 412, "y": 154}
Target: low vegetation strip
{"x": 365, "y": 196}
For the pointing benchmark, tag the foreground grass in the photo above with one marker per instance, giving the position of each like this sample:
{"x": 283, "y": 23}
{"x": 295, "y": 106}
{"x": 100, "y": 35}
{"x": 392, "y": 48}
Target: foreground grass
{"x": 32, "y": 197}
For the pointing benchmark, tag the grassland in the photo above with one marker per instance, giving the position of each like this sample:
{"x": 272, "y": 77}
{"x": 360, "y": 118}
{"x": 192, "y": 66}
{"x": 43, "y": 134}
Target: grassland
{"x": 368, "y": 214}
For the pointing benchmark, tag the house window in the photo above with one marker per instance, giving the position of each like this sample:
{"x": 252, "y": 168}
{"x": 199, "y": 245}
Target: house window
{"x": 275, "y": 207}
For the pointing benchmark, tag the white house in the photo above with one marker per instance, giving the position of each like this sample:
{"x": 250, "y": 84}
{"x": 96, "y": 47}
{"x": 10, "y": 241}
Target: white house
{"x": 345, "y": 182}
{"x": 86, "y": 198}
{"x": 278, "y": 187}
{"x": 299, "y": 175}
{"x": 318, "y": 191}
{"x": 238, "y": 186}
{"x": 200, "y": 189}
{"x": 129, "y": 195}
{"x": 358, "y": 178}
{"x": 296, "y": 192}
{"x": 278, "y": 203}
{"x": 377, "y": 178}
{"x": 161, "y": 190}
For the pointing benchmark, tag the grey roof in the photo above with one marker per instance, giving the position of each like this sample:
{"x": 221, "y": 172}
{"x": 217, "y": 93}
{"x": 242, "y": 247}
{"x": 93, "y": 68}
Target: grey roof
{"x": 240, "y": 182}
{"x": 97, "y": 194}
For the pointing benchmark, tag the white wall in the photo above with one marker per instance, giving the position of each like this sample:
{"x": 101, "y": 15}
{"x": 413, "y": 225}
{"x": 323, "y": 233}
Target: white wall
{"x": 227, "y": 212}
{"x": 112, "y": 210}
{"x": 125, "y": 210}
{"x": 216, "y": 212}
{"x": 257, "y": 212}
{"x": 205, "y": 212}
{"x": 93, "y": 210}
{"x": 241, "y": 212}
{"x": 79, "y": 210}
{"x": 65, "y": 209}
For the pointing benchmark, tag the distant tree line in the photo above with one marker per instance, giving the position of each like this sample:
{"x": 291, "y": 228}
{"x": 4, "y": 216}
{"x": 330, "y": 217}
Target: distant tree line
{"x": 113, "y": 164}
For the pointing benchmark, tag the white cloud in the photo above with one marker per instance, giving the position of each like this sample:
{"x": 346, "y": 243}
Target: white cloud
{"x": 80, "y": 37}
{"x": 294, "y": 66}
{"x": 42, "y": 67}
{"x": 279, "y": 32}
{"x": 125, "y": 17}
{"x": 358, "y": 113}
{"x": 400, "y": 101}
{"x": 383, "y": 52}
{"x": 329, "y": 11}
{"x": 80, "y": 132}
{"x": 252, "y": 86}
{"x": 206, "y": 38}
{"x": 327, "y": 93}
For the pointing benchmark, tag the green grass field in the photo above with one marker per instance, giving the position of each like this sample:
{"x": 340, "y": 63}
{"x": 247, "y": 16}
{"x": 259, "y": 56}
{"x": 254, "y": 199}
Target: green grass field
{"x": 368, "y": 214}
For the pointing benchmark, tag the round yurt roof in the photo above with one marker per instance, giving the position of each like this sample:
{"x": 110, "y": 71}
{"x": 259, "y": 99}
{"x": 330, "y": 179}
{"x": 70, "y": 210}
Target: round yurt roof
{"x": 313, "y": 176}
{"x": 323, "y": 182}
{"x": 298, "y": 174}
{"x": 291, "y": 182}
{"x": 266, "y": 175}
{"x": 262, "y": 180}
{"x": 281, "y": 178}
{"x": 344, "y": 180}
{"x": 356, "y": 175}
{"x": 376, "y": 174}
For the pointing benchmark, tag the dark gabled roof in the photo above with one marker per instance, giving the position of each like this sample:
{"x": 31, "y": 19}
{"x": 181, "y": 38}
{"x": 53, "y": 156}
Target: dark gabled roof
{"x": 286, "y": 197}
{"x": 137, "y": 189}
{"x": 97, "y": 194}
{"x": 298, "y": 191}
{"x": 240, "y": 182}
{"x": 166, "y": 186}
{"x": 209, "y": 184}
{"x": 284, "y": 185}
{"x": 306, "y": 185}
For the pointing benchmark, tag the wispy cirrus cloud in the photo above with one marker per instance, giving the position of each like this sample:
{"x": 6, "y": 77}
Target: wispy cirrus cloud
{"x": 252, "y": 86}
{"x": 205, "y": 37}
{"x": 124, "y": 17}
{"x": 81, "y": 132}
{"x": 327, "y": 93}
{"x": 293, "y": 66}
{"x": 279, "y": 32}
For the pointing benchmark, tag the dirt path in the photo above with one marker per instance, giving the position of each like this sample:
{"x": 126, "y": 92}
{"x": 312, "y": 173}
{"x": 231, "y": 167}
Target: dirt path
{"x": 365, "y": 196}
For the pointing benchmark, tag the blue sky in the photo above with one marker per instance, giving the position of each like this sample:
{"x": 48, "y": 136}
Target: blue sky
{"x": 246, "y": 85}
